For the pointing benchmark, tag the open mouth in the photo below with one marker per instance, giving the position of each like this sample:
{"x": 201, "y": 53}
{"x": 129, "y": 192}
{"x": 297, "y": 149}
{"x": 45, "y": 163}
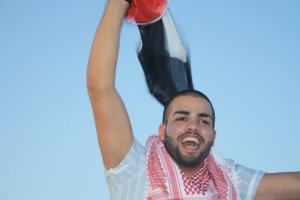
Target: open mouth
{"x": 190, "y": 142}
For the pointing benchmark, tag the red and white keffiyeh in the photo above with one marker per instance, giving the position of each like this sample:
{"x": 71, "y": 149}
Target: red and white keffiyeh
{"x": 167, "y": 181}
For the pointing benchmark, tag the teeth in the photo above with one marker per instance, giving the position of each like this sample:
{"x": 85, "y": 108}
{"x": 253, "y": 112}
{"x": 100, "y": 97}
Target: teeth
{"x": 190, "y": 139}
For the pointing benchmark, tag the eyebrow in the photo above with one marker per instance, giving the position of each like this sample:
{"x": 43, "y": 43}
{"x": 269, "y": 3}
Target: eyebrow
{"x": 204, "y": 115}
{"x": 182, "y": 112}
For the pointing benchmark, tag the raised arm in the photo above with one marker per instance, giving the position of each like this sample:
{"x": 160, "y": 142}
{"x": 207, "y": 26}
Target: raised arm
{"x": 112, "y": 123}
{"x": 279, "y": 186}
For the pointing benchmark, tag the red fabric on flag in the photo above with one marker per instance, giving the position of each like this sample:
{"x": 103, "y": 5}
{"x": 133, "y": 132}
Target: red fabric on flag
{"x": 146, "y": 11}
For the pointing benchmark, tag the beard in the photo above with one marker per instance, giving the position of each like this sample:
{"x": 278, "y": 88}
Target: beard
{"x": 188, "y": 161}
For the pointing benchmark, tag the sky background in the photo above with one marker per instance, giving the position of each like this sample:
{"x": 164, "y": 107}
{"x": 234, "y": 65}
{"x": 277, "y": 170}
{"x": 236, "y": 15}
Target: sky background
{"x": 245, "y": 55}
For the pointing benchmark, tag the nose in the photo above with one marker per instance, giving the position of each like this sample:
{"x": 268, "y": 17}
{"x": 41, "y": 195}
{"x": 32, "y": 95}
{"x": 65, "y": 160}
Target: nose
{"x": 193, "y": 126}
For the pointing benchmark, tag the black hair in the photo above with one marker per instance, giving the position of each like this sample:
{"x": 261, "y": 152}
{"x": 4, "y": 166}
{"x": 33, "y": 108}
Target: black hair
{"x": 194, "y": 93}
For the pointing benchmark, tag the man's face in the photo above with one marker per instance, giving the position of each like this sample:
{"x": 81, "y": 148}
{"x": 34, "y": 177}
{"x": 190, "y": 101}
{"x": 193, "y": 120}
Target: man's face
{"x": 188, "y": 134}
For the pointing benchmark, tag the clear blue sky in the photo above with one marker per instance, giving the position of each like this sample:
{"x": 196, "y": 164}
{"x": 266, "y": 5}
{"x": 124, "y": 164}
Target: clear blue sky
{"x": 245, "y": 56}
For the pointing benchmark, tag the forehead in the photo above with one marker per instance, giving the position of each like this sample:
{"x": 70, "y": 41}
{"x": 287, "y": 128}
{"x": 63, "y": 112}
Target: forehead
{"x": 193, "y": 104}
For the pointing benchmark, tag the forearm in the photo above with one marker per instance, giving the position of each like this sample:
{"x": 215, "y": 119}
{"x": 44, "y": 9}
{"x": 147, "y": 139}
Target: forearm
{"x": 280, "y": 186}
{"x": 104, "y": 52}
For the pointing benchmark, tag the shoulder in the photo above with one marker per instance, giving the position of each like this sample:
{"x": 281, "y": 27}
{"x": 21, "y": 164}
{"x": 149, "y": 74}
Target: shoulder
{"x": 129, "y": 177}
{"x": 248, "y": 179}
{"x": 245, "y": 179}
{"x": 134, "y": 159}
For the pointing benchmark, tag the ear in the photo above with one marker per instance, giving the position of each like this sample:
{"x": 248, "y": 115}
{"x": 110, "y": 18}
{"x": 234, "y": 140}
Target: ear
{"x": 214, "y": 136}
{"x": 162, "y": 131}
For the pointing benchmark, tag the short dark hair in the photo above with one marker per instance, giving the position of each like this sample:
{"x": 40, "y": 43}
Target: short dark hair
{"x": 194, "y": 93}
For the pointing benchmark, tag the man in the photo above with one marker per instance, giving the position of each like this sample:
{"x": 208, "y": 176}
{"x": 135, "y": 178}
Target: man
{"x": 177, "y": 164}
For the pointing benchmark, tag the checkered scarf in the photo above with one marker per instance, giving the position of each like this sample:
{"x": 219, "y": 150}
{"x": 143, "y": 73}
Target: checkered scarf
{"x": 167, "y": 181}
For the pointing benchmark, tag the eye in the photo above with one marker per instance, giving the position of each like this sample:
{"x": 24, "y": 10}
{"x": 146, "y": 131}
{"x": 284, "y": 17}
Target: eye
{"x": 180, "y": 119}
{"x": 204, "y": 122}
